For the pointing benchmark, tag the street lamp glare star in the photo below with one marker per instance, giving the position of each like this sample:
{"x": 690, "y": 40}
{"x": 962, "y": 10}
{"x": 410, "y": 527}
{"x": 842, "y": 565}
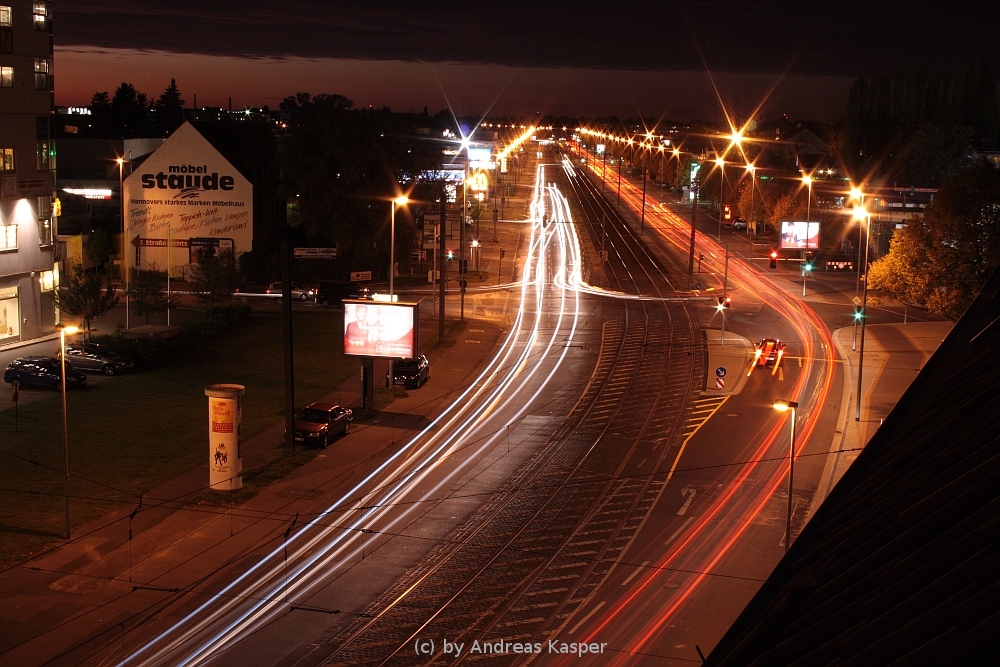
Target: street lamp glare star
{"x": 856, "y": 193}
{"x": 785, "y": 406}
{"x": 401, "y": 200}
{"x": 859, "y": 213}
{"x": 807, "y": 179}
{"x": 719, "y": 161}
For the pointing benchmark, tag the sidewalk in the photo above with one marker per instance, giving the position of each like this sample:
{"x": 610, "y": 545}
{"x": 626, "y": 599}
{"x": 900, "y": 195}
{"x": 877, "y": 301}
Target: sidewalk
{"x": 894, "y": 354}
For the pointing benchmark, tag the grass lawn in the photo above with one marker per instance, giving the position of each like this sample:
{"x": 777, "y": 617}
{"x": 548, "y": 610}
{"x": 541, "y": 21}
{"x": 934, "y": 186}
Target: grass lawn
{"x": 131, "y": 433}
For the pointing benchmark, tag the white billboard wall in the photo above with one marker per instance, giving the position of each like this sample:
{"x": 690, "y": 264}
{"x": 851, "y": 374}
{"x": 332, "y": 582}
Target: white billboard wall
{"x": 184, "y": 197}
{"x": 800, "y": 235}
{"x": 373, "y": 329}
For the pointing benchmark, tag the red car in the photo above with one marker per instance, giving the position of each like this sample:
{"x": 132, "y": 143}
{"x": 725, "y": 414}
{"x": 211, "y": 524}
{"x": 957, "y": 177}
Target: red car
{"x": 769, "y": 351}
{"x": 318, "y": 422}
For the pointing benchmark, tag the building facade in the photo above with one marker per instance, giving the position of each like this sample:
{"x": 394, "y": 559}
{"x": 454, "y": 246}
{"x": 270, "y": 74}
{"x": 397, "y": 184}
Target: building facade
{"x": 28, "y": 273}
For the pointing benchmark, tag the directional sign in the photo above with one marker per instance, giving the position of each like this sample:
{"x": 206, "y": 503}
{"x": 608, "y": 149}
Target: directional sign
{"x": 360, "y": 276}
{"x": 158, "y": 243}
{"x": 315, "y": 253}
{"x": 720, "y": 372}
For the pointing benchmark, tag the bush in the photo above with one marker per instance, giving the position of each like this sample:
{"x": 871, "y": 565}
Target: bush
{"x": 149, "y": 352}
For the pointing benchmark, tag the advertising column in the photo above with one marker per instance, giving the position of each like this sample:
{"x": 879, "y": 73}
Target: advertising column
{"x": 225, "y": 416}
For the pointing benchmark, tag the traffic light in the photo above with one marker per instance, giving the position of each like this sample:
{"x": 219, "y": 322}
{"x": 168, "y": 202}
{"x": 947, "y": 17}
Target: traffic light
{"x": 451, "y": 254}
{"x": 722, "y": 303}
{"x": 774, "y": 259}
{"x": 728, "y": 303}
{"x": 808, "y": 266}
{"x": 503, "y": 253}
{"x": 858, "y": 313}
{"x": 728, "y": 212}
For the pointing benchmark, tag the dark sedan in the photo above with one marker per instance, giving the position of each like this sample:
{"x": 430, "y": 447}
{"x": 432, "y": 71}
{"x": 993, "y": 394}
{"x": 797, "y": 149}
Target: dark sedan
{"x": 318, "y": 422}
{"x": 411, "y": 373}
{"x": 43, "y": 372}
{"x": 93, "y": 357}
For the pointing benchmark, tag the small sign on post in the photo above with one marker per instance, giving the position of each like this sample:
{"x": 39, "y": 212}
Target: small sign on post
{"x": 360, "y": 276}
{"x": 315, "y": 253}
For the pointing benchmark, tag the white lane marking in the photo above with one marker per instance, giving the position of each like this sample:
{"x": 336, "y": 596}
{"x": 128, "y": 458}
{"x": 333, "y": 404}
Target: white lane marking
{"x": 637, "y": 571}
{"x": 678, "y": 531}
{"x": 690, "y": 494}
{"x": 587, "y": 617}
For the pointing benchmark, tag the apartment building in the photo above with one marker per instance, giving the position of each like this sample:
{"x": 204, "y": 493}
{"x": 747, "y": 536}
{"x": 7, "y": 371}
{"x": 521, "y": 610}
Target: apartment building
{"x": 28, "y": 272}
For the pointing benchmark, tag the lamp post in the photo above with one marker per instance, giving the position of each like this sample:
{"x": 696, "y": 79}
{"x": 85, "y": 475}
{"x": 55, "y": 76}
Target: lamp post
{"x": 401, "y": 200}
{"x": 860, "y": 213}
{"x": 753, "y": 179}
{"x": 859, "y": 196}
{"x": 722, "y": 184}
{"x": 124, "y": 265}
{"x": 63, "y": 330}
{"x": 784, "y": 406}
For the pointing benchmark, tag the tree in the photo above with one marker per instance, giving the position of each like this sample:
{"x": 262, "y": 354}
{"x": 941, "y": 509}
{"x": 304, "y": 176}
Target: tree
{"x": 97, "y": 246}
{"x": 129, "y": 108}
{"x": 83, "y": 295}
{"x": 146, "y": 292}
{"x": 101, "y": 100}
{"x": 171, "y": 97}
{"x": 941, "y": 259}
{"x": 215, "y": 277}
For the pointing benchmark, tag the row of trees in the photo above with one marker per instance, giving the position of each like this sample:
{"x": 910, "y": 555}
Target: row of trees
{"x": 89, "y": 295}
{"x": 915, "y": 128}
{"x": 942, "y": 258}
{"x": 129, "y": 113}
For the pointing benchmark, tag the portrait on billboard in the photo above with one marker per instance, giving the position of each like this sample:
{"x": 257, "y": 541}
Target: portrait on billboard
{"x": 799, "y": 234}
{"x": 379, "y": 329}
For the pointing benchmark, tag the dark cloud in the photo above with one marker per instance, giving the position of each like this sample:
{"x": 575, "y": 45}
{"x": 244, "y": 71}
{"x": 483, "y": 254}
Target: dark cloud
{"x": 838, "y": 39}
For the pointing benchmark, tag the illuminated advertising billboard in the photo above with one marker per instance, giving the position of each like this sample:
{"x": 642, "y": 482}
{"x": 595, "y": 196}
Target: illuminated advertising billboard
{"x": 799, "y": 234}
{"x": 374, "y": 329}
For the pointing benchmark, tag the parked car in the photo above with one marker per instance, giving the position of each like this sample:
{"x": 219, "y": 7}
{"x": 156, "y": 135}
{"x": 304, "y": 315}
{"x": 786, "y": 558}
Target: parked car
{"x": 411, "y": 373}
{"x": 93, "y": 357}
{"x": 252, "y": 288}
{"x": 43, "y": 372}
{"x": 300, "y": 293}
{"x": 317, "y": 422}
{"x": 333, "y": 293}
{"x": 740, "y": 223}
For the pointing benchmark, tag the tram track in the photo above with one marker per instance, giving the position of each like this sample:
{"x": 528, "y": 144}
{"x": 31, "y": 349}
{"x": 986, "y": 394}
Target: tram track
{"x": 524, "y": 564}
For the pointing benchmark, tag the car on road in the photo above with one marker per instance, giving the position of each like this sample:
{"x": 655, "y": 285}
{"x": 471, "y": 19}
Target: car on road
{"x": 42, "y": 372}
{"x": 333, "y": 293}
{"x": 740, "y": 223}
{"x": 317, "y": 423}
{"x": 411, "y": 373}
{"x": 94, "y": 357}
{"x": 300, "y": 293}
{"x": 769, "y": 351}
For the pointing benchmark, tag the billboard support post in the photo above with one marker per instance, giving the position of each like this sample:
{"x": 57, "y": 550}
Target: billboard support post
{"x": 286, "y": 339}
{"x": 443, "y": 278}
{"x": 367, "y": 383}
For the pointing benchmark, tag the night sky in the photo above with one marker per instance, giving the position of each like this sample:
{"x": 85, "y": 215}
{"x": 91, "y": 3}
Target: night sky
{"x": 513, "y": 57}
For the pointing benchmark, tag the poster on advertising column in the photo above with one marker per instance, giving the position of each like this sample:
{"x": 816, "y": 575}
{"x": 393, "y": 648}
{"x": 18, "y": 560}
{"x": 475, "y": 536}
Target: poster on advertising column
{"x": 183, "y": 200}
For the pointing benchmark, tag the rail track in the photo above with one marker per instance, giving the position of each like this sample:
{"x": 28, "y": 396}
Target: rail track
{"x": 523, "y": 565}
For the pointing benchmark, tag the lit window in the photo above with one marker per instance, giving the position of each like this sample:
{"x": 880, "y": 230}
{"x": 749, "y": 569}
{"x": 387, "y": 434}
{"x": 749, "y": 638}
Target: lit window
{"x": 47, "y": 281}
{"x": 6, "y": 77}
{"x": 8, "y": 237}
{"x": 44, "y": 221}
{"x": 42, "y": 12}
{"x": 6, "y": 159}
{"x": 5, "y": 16}
{"x": 43, "y": 156}
{"x": 43, "y": 68}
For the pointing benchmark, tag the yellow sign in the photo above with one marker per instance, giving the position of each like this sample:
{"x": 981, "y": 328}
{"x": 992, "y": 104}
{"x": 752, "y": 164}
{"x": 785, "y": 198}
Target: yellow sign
{"x": 478, "y": 182}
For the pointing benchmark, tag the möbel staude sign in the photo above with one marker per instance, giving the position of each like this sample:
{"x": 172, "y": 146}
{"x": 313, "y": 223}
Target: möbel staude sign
{"x": 186, "y": 191}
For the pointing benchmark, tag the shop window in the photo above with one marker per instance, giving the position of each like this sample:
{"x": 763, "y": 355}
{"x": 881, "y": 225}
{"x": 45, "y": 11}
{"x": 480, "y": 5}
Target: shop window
{"x": 8, "y": 237}
{"x": 10, "y": 317}
{"x": 6, "y": 77}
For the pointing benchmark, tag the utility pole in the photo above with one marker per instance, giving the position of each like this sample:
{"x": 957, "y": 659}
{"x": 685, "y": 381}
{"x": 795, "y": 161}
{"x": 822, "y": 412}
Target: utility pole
{"x": 642, "y": 221}
{"x": 694, "y": 213}
{"x": 442, "y": 261}
{"x": 286, "y": 330}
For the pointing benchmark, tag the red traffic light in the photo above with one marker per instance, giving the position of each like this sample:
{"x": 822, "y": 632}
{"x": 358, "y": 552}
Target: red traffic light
{"x": 729, "y": 212}
{"x": 728, "y": 303}
{"x": 774, "y": 254}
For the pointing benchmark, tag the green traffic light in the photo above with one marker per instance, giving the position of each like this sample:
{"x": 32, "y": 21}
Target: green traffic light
{"x": 857, "y": 315}
{"x": 809, "y": 267}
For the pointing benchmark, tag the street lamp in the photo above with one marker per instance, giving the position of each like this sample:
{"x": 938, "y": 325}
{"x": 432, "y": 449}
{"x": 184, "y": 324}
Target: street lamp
{"x": 784, "y": 406}
{"x": 401, "y": 200}
{"x": 858, "y": 196}
{"x": 861, "y": 213}
{"x": 63, "y": 330}
{"x": 721, "y": 164}
{"x": 753, "y": 178}
{"x": 124, "y": 265}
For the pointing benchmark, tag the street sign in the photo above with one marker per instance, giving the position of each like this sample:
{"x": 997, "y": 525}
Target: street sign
{"x": 315, "y": 253}
{"x": 360, "y": 276}
{"x": 857, "y": 301}
{"x": 720, "y": 383}
{"x": 697, "y": 285}
{"x": 158, "y": 243}
{"x": 720, "y": 372}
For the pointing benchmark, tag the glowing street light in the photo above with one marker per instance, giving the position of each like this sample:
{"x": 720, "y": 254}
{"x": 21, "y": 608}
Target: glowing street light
{"x": 63, "y": 331}
{"x": 785, "y": 406}
{"x": 401, "y": 200}
{"x": 860, "y": 213}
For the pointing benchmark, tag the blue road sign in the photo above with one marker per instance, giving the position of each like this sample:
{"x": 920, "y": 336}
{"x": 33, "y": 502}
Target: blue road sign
{"x": 720, "y": 372}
